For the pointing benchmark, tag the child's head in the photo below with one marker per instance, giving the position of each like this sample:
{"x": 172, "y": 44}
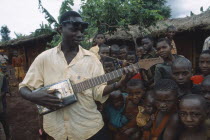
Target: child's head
{"x": 99, "y": 39}
{"x": 139, "y": 51}
{"x": 205, "y": 88}
{"x": 147, "y": 42}
{"x": 115, "y": 49}
{"x": 123, "y": 52}
{"x": 182, "y": 71}
{"x": 131, "y": 57}
{"x": 104, "y": 50}
{"x": 163, "y": 47}
{"x": 116, "y": 99}
{"x": 108, "y": 65}
{"x": 136, "y": 90}
{"x": 171, "y": 31}
{"x": 192, "y": 111}
{"x": 204, "y": 62}
{"x": 148, "y": 102}
{"x": 166, "y": 95}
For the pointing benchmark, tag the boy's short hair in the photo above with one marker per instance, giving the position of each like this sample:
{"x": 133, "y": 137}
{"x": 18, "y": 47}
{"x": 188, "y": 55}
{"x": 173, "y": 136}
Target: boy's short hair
{"x": 165, "y": 85}
{"x": 131, "y": 53}
{"x": 196, "y": 96}
{"x": 68, "y": 15}
{"x": 115, "y": 48}
{"x": 183, "y": 61}
{"x": 135, "y": 82}
{"x": 205, "y": 52}
{"x": 171, "y": 27}
{"x": 164, "y": 39}
{"x": 124, "y": 47}
{"x": 148, "y": 37}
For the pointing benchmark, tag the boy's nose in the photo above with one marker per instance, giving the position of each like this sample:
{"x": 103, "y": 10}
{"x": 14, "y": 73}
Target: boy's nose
{"x": 189, "y": 118}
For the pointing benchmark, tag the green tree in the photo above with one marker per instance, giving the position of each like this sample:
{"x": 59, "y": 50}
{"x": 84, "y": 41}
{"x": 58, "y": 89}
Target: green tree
{"x": 5, "y": 33}
{"x": 109, "y": 15}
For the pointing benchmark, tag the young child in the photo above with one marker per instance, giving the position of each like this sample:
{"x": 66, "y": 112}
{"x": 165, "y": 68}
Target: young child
{"x": 108, "y": 65}
{"x": 123, "y": 52}
{"x": 181, "y": 73}
{"x": 131, "y": 58}
{"x": 171, "y": 31}
{"x": 98, "y": 41}
{"x": 149, "y": 52}
{"x": 166, "y": 123}
{"x": 139, "y": 52}
{"x": 114, "y": 52}
{"x": 136, "y": 90}
{"x": 114, "y": 111}
{"x": 146, "y": 114}
{"x": 192, "y": 112}
{"x": 163, "y": 71}
{"x": 205, "y": 88}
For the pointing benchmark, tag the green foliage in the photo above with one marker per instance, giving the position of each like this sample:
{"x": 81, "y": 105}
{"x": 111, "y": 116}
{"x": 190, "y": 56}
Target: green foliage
{"x": 65, "y": 6}
{"x": 201, "y": 9}
{"x": 5, "y": 33}
{"x": 19, "y": 35}
{"x": 51, "y": 20}
{"x": 109, "y": 15}
{"x": 44, "y": 29}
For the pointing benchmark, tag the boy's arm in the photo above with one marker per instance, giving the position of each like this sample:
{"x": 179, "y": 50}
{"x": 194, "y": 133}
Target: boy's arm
{"x": 172, "y": 130}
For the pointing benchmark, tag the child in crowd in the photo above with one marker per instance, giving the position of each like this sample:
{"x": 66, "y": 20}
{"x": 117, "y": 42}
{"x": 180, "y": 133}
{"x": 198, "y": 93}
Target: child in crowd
{"x": 205, "y": 87}
{"x": 114, "y": 52}
{"x": 166, "y": 123}
{"x": 163, "y": 71}
{"x": 139, "y": 52}
{"x": 149, "y": 52}
{"x": 131, "y": 58}
{"x": 171, "y": 31}
{"x": 98, "y": 41}
{"x": 181, "y": 73}
{"x": 146, "y": 114}
{"x": 136, "y": 90}
{"x": 192, "y": 112}
{"x": 123, "y": 52}
{"x": 204, "y": 65}
{"x": 108, "y": 65}
{"x": 114, "y": 111}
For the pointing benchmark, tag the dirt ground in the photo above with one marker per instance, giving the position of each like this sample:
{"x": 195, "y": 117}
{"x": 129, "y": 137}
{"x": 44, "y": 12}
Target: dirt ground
{"x": 22, "y": 115}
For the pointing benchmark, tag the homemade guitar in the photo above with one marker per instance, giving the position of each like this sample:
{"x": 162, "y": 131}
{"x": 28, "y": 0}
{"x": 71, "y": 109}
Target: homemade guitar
{"x": 66, "y": 91}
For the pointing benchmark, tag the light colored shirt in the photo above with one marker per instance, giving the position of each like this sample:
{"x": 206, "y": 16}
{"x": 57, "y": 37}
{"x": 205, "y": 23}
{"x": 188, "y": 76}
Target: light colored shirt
{"x": 80, "y": 120}
{"x": 95, "y": 50}
{"x": 206, "y": 45}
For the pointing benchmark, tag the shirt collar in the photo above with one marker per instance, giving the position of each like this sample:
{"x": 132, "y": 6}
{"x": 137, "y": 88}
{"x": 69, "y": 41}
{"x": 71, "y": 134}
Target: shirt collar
{"x": 82, "y": 51}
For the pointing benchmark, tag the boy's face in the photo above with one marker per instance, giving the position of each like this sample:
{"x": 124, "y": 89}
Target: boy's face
{"x": 192, "y": 113}
{"x": 165, "y": 101}
{"x": 139, "y": 51}
{"x": 149, "y": 106}
{"x": 117, "y": 101}
{"x": 204, "y": 64}
{"x": 108, "y": 67}
{"x": 171, "y": 33}
{"x": 114, "y": 54}
{"x": 131, "y": 59}
{"x": 123, "y": 53}
{"x": 104, "y": 51}
{"x": 181, "y": 74}
{"x": 100, "y": 39}
{"x": 163, "y": 49}
{"x": 147, "y": 44}
{"x": 136, "y": 93}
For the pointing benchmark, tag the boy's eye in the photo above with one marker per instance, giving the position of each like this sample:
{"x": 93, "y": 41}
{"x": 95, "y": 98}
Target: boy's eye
{"x": 182, "y": 114}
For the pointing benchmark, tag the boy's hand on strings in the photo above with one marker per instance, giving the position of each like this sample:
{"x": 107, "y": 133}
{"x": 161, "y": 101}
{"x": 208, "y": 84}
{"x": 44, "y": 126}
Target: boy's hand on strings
{"x": 47, "y": 99}
{"x": 129, "y": 72}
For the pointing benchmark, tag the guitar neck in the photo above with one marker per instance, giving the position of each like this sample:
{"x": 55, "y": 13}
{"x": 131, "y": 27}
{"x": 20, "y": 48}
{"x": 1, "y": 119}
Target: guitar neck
{"x": 97, "y": 80}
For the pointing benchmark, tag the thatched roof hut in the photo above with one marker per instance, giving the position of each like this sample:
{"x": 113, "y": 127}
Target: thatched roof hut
{"x": 201, "y": 22}
{"x": 191, "y": 33}
{"x": 28, "y": 47}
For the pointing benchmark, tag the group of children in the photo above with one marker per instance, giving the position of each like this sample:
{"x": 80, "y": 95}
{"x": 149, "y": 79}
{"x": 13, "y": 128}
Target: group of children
{"x": 166, "y": 102}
